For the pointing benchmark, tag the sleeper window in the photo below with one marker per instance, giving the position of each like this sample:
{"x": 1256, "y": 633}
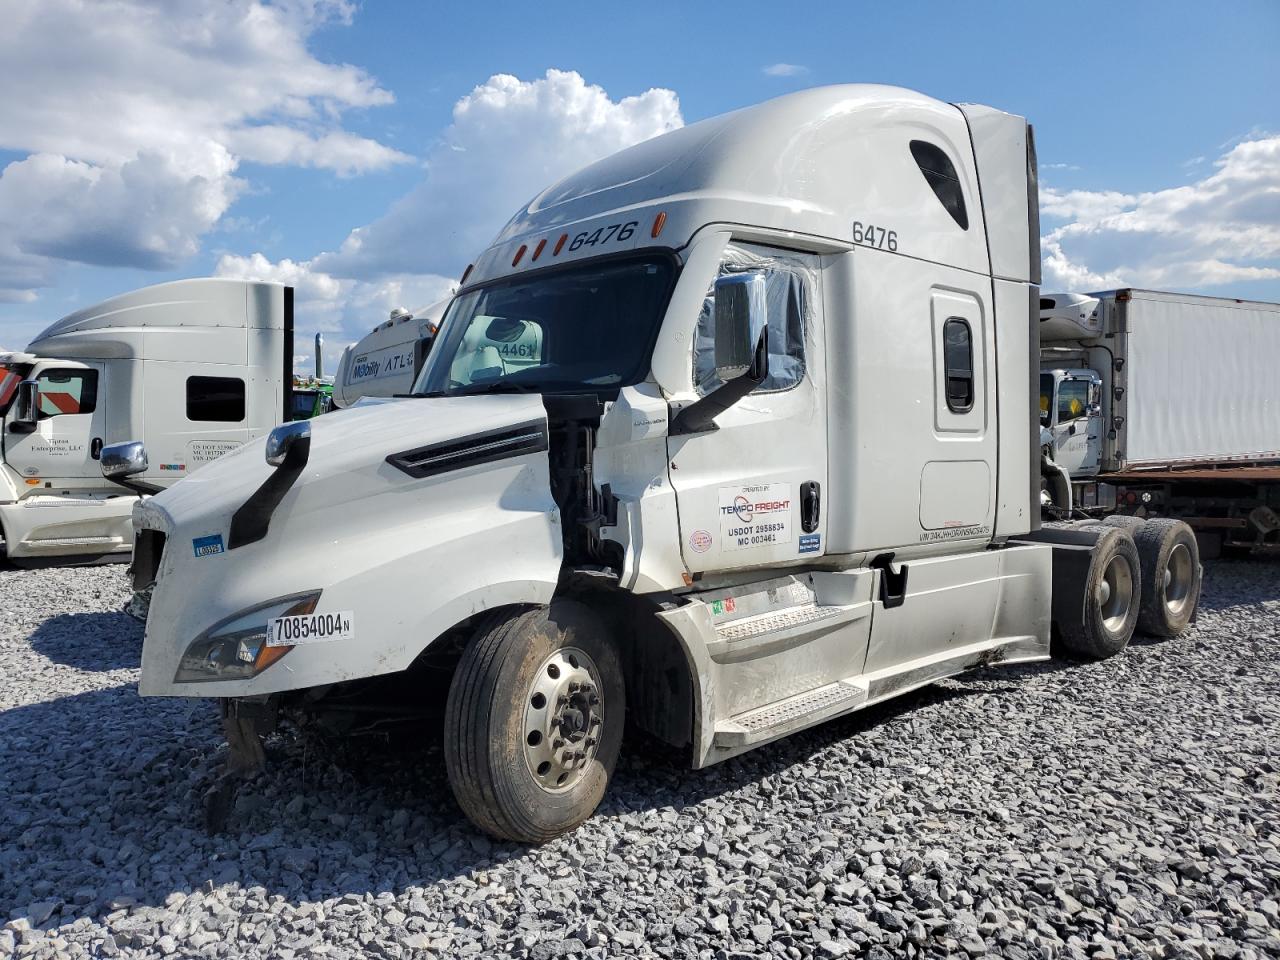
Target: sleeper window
{"x": 940, "y": 173}
{"x": 215, "y": 399}
{"x": 789, "y": 292}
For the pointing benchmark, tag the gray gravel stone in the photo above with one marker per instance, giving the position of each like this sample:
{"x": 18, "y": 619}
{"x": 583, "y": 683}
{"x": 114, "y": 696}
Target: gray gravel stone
{"x": 1118, "y": 809}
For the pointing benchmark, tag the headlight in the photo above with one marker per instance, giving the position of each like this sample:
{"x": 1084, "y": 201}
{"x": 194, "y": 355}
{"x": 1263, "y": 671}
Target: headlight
{"x": 237, "y": 648}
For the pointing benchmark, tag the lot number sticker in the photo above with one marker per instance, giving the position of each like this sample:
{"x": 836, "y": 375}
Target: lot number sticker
{"x": 756, "y": 515}
{"x": 309, "y": 628}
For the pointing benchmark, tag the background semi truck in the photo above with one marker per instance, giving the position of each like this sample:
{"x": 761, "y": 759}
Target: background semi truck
{"x": 1165, "y": 404}
{"x": 762, "y": 449}
{"x": 194, "y": 368}
{"x": 389, "y": 358}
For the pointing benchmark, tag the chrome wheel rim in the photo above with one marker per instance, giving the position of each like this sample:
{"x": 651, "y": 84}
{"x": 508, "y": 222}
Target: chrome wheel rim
{"x": 563, "y": 719}
{"x": 1115, "y": 594}
{"x": 1179, "y": 578}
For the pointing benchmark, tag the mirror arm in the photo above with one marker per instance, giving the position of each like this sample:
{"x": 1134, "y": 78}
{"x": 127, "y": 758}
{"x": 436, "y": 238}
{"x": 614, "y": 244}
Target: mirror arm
{"x": 140, "y": 487}
{"x": 700, "y": 416}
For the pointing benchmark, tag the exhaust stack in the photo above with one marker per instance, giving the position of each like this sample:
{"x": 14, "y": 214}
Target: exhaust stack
{"x": 319, "y": 355}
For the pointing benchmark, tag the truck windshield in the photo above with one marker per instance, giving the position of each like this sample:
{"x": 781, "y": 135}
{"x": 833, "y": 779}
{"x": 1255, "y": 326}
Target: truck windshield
{"x": 10, "y": 377}
{"x": 586, "y": 328}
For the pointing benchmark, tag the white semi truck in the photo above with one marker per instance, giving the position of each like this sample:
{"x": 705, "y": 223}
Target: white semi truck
{"x": 388, "y": 359}
{"x": 194, "y": 368}
{"x": 773, "y": 458}
{"x": 1166, "y": 404}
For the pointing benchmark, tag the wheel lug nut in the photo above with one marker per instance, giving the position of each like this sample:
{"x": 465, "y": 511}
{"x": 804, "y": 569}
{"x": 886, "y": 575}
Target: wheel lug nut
{"x": 593, "y": 700}
{"x": 562, "y": 700}
{"x": 557, "y": 743}
{"x": 591, "y": 741}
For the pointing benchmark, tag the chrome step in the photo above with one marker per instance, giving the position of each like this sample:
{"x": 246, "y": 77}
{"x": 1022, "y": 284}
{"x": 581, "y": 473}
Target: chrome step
{"x": 749, "y": 627}
{"x": 794, "y": 713}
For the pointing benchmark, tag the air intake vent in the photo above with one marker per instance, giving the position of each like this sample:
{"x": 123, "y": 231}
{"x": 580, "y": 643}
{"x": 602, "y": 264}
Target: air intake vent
{"x": 473, "y": 450}
{"x": 1047, "y": 303}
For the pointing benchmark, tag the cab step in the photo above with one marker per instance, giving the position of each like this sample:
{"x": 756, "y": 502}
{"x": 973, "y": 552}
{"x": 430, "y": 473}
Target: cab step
{"x": 794, "y": 713}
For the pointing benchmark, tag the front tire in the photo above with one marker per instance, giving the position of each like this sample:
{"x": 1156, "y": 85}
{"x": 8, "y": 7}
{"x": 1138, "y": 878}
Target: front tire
{"x": 534, "y": 721}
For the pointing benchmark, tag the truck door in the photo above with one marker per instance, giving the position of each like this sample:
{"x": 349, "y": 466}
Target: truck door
{"x": 750, "y": 493}
{"x": 69, "y": 432}
{"x": 1077, "y": 429}
{"x": 196, "y": 412}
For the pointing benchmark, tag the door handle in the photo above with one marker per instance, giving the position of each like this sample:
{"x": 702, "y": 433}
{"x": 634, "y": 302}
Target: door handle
{"x": 1071, "y": 430}
{"x": 95, "y": 448}
{"x": 810, "y": 505}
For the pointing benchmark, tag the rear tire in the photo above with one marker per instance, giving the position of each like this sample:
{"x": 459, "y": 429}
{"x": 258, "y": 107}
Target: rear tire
{"x": 534, "y": 721}
{"x": 1171, "y": 575}
{"x": 1110, "y": 598}
{"x": 1125, "y": 522}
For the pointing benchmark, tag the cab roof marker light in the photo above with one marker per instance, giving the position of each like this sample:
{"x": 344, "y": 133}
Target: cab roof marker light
{"x": 466, "y": 273}
{"x": 559, "y": 244}
{"x": 519, "y": 253}
{"x": 659, "y": 222}
{"x": 537, "y": 251}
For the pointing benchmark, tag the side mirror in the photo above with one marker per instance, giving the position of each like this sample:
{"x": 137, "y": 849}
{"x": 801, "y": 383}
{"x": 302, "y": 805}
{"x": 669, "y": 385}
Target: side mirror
{"x": 742, "y": 319}
{"x": 285, "y": 437}
{"x": 26, "y": 407}
{"x": 742, "y": 350}
{"x": 126, "y": 459}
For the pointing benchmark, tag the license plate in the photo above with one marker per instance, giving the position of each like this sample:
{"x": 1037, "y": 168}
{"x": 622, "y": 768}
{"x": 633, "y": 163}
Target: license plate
{"x": 309, "y": 628}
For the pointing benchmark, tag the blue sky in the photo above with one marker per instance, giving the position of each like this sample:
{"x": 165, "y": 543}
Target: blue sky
{"x": 195, "y": 137}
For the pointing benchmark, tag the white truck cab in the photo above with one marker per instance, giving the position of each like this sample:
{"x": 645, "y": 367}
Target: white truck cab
{"x": 731, "y": 433}
{"x": 194, "y": 368}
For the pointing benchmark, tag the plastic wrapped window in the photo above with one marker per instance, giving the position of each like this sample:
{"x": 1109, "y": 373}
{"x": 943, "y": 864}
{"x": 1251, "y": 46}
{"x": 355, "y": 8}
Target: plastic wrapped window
{"x": 788, "y": 292}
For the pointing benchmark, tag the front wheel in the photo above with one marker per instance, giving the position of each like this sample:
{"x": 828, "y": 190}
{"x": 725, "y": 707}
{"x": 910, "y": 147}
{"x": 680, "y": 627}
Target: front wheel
{"x": 534, "y": 721}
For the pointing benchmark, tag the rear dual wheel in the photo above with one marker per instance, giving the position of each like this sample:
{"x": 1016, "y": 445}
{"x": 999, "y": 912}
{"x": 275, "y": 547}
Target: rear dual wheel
{"x": 534, "y": 721}
{"x": 1171, "y": 572}
{"x": 1109, "y": 607}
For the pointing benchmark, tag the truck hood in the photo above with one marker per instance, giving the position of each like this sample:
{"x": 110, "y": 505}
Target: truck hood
{"x": 348, "y": 454}
{"x": 405, "y": 552}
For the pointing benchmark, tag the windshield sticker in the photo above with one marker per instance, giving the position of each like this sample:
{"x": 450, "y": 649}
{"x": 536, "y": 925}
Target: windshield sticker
{"x": 700, "y": 540}
{"x": 757, "y": 515}
{"x": 810, "y": 542}
{"x": 207, "y": 546}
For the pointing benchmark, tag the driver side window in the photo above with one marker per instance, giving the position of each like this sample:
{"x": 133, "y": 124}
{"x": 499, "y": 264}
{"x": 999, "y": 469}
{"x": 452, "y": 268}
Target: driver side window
{"x": 67, "y": 391}
{"x": 789, "y": 292}
{"x": 1073, "y": 399}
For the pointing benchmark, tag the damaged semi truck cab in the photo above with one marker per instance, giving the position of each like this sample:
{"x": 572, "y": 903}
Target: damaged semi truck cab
{"x": 733, "y": 432}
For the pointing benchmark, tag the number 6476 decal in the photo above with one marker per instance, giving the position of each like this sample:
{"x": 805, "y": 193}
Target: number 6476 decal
{"x": 874, "y": 236}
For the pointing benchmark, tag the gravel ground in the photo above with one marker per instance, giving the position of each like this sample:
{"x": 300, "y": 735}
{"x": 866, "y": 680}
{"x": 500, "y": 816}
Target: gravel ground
{"x": 1127, "y": 808}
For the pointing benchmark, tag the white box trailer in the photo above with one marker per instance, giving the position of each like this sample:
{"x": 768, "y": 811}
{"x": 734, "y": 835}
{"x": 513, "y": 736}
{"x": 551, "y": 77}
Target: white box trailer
{"x": 194, "y": 368}
{"x": 1169, "y": 400}
{"x": 730, "y": 433}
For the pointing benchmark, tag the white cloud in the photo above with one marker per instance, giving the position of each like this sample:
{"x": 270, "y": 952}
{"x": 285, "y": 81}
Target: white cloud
{"x": 135, "y": 116}
{"x": 1221, "y": 229}
{"x": 785, "y": 70}
{"x": 327, "y": 304}
{"x": 509, "y": 139}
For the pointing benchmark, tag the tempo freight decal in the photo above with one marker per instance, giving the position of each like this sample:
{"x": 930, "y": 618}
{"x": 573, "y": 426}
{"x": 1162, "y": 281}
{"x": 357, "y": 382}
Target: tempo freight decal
{"x": 757, "y": 515}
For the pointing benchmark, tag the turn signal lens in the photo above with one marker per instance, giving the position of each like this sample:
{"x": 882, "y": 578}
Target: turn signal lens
{"x": 659, "y": 222}
{"x": 519, "y": 254}
{"x": 537, "y": 251}
{"x": 560, "y": 244}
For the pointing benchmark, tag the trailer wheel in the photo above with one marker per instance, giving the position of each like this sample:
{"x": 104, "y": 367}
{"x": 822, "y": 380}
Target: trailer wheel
{"x": 1110, "y": 598}
{"x": 534, "y": 721}
{"x": 1171, "y": 574}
